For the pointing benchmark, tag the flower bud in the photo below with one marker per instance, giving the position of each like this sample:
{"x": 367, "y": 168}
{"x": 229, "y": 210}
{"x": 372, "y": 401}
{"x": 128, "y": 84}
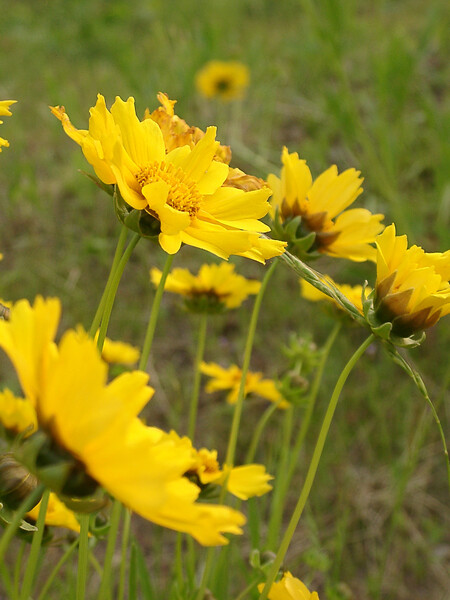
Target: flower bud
{"x": 16, "y": 482}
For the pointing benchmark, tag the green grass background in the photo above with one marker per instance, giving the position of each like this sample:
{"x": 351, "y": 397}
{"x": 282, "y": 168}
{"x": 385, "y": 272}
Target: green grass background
{"x": 358, "y": 84}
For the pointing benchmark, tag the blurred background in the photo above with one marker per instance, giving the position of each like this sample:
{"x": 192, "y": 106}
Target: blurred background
{"x": 358, "y": 84}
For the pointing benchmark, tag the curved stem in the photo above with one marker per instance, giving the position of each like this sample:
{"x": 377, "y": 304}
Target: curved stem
{"x": 112, "y": 290}
{"x": 83, "y": 555}
{"x": 101, "y": 307}
{"x": 197, "y": 375}
{"x": 264, "y": 419}
{"x": 123, "y": 563}
{"x": 105, "y": 585}
{"x": 30, "y": 571}
{"x": 313, "y": 466}
{"x": 67, "y": 554}
{"x": 154, "y": 314}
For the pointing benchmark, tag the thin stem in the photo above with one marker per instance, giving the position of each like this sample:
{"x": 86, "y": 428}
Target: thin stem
{"x": 264, "y": 419}
{"x": 83, "y": 555}
{"x": 123, "y": 563}
{"x": 154, "y": 314}
{"x": 117, "y": 255}
{"x": 105, "y": 585}
{"x": 313, "y": 466}
{"x": 112, "y": 290}
{"x": 26, "y": 505}
{"x": 17, "y": 569}
{"x": 67, "y": 554}
{"x": 197, "y": 375}
{"x": 30, "y": 571}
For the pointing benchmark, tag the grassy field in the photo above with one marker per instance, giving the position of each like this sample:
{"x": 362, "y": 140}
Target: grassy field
{"x": 358, "y": 84}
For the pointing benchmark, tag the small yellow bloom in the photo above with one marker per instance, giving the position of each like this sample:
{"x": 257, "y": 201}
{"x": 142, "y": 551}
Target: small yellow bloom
{"x": 114, "y": 352}
{"x": 58, "y": 515}
{"x": 230, "y": 379}
{"x": 412, "y": 289}
{"x": 217, "y": 283}
{"x": 352, "y": 292}
{"x": 322, "y": 207}
{"x": 17, "y": 414}
{"x": 182, "y": 189}
{"x": 5, "y": 112}
{"x": 289, "y": 588}
{"x": 226, "y": 80}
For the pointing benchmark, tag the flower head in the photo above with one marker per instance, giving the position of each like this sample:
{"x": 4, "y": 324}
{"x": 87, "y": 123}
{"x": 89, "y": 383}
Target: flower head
{"x": 89, "y": 431}
{"x": 226, "y": 80}
{"x": 116, "y": 352}
{"x": 412, "y": 290}
{"x": 181, "y": 190}
{"x": 289, "y": 588}
{"x": 5, "y": 112}
{"x": 214, "y": 288}
{"x": 230, "y": 379}
{"x": 314, "y": 214}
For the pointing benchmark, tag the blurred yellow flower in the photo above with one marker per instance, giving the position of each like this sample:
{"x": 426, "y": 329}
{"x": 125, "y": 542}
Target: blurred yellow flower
{"x": 58, "y": 515}
{"x": 115, "y": 352}
{"x": 5, "y": 112}
{"x": 182, "y": 189}
{"x": 226, "y": 80}
{"x": 16, "y": 414}
{"x": 322, "y": 207}
{"x": 352, "y": 292}
{"x": 289, "y": 588}
{"x": 94, "y": 424}
{"x": 218, "y": 284}
{"x": 230, "y": 379}
{"x": 412, "y": 289}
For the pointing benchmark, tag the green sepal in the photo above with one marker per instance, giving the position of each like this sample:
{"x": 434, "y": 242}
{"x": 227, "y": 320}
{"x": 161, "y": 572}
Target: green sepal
{"x": 204, "y": 303}
{"x": 139, "y": 221}
{"x": 6, "y": 516}
{"x": 108, "y": 188}
{"x": 99, "y": 525}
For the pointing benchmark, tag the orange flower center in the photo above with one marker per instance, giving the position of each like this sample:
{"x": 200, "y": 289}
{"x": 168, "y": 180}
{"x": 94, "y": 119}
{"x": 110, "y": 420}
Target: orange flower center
{"x": 183, "y": 193}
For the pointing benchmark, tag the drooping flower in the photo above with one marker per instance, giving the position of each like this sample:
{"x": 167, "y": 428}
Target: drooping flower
{"x": 89, "y": 428}
{"x": 230, "y": 379}
{"x": 320, "y": 208}
{"x": 214, "y": 288}
{"x": 352, "y": 292}
{"x": 57, "y": 515}
{"x": 182, "y": 189}
{"x": 289, "y": 588}
{"x": 412, "y": 290}
{"x": 226, "y": 80}
{"x": 5, "y": 112}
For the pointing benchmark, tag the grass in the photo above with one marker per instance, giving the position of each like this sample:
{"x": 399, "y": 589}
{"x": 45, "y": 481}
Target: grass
{"x": 353, "y": 83}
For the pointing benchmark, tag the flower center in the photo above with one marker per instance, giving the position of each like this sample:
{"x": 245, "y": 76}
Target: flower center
{"x": 183, "y": 194}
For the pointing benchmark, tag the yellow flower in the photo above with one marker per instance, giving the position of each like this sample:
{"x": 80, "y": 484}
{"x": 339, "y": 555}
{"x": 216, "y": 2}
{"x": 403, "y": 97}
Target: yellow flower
{"x": 412, "y": 289}
{"x": 17, "y": 414}
{"x": 5, "y": 112}
{"x": 119, "y": 352}
{"x": 92, "y": 426}
{"x": 352, "y": 292}
{"x": 58, "y": 515}
{"x": 289, "y": 588}
{"x": 230, "y": 379}
{"x": 226, "y": 80}
{"x": 322, "y": 207}
{"x": 182, "y": 189}
{"x": 218, "y": 284}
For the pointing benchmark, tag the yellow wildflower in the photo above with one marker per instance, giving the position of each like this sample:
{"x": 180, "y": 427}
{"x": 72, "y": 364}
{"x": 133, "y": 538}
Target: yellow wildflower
{"x": 17, "y": 414}
{"x": 322, "y": 207}
{"x": 226, "y": 80}
{"x": 182, "y": 189}
{"x": 115, "y": 352}
{"x": 5, "y": 112}
{"x": 289, "y": 588}
{"x": 94, "y": 424}
{"x": 230, "y": 379}
{"x": 412, "y": 289}
{"x": 352, "y": 292}
{"x": 216, "y": 283}
{"x": 58, "y": 515}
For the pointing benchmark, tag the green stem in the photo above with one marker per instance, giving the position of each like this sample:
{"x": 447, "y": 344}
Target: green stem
{"x": 83, "y": 555}
{"x": 112, "y": 290}
{"x": 258, "y": 432}
{"x": 105, "y": 585}
{"x": 154, "y": 314}
{"x": 123, "y": 563}
{"x": 313, "y": 466}
{"x": 101, "y": 307}
{"x": 67, "y": 554}
{"x": 26, "y": 505}
{"x": 17, "y": 569}
{"x": 197, "y": 375}
{"x": 30, "y": 571}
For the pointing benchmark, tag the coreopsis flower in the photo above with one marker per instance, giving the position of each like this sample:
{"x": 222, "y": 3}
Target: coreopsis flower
{"x": 57, "y": 515}
{"x": 226, "y": 80}
{"x": 289, "y": 588}
{"x": 352, "y": 292}
{"x": 5, "y": 112}
{"x": 181, "y": 191}
{"x": 313, "y": 215}
{"x": 230, "y": 379}
{"x": 412, "y": 291}
{"x": 89, "y": 432}
{"x": 213, "y": 289}
{"x": 116, "y": 352}
{"x": 17, "y": 415}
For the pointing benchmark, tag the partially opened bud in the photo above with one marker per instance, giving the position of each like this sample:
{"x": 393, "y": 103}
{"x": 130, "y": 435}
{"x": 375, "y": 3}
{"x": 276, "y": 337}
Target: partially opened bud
{"x": 16, "y": 482}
